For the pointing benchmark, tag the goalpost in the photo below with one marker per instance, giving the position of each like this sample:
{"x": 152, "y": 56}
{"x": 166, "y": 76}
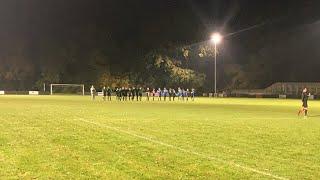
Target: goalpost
{"x": 66, "y": 85}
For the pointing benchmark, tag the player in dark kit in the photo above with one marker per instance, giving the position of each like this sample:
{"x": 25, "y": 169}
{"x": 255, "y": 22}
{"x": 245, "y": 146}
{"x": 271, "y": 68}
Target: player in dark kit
{"x": 304, "y": 98}
{"x": 129, "y": 94}
{"x": 133, "y": 93}
{"x": 117, "y": 93}
{"x": 187, "y": 94}
{"x": 139, "y": 93}
{"x": 124, "y": 94}
{"x": 104, "y": 92}
{"x": 109, "y": 91}
{"x": 173, "y": 94}
{"x": 120, "y": 94}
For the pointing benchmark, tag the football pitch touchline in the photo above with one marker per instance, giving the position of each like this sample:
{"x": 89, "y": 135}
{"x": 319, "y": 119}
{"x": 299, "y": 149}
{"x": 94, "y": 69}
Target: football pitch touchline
{"x": 185, "y": 150}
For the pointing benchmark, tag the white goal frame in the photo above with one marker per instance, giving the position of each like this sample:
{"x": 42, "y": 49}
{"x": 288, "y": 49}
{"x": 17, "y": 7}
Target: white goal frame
{"x": 70, "y": 85}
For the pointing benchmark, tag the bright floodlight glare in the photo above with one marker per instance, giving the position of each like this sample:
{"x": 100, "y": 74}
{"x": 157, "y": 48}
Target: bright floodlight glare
{"x": 216, "y": 38}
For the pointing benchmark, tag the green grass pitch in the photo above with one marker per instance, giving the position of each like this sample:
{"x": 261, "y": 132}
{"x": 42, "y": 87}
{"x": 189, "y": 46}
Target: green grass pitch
{"x": 71, "y": 137}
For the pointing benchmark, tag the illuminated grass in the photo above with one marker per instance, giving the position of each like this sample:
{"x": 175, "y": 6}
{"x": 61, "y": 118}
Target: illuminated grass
{"x": 72, "y": 137}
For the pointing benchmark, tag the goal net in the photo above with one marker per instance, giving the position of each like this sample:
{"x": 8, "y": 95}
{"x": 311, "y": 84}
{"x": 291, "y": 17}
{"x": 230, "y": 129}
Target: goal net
{"x": 67, "y": 89}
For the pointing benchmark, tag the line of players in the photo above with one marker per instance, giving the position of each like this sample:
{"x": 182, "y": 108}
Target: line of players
{"x": 131, "y": 94}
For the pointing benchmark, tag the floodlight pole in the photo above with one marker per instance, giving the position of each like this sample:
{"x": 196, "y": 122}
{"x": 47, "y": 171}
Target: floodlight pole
{"x": 215, "y": 69}
{"x": 215, "y": 39}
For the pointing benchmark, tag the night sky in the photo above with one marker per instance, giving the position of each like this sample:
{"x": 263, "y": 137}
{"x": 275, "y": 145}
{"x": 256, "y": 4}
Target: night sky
{"x": 285, "y": 32}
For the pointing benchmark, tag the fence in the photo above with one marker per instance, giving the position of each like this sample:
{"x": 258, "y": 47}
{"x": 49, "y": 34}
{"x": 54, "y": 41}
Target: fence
{"x": 290, "y": 89}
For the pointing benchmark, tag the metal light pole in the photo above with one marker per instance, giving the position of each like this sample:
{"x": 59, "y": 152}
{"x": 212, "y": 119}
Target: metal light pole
{"x": 215, "y": 39}
{"x": 215, "y": 69}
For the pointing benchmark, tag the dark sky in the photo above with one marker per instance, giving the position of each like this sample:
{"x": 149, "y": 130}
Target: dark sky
{"x": 130, "y": 28}
{"x": 145, "y": 23}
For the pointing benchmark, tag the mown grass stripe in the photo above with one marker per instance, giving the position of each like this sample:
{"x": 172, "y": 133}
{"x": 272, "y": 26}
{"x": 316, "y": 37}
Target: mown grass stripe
{"x": 187, "y": 151}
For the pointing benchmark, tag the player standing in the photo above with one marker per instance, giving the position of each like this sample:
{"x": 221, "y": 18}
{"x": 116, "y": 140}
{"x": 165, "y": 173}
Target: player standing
{"x": 173, "y": 94}
{"x": 133, "y": 92}
{"x": 120, "y": 94}
{"x": 126, "y": 94}
{"x": 304, "y": 98}
{"x": 153, "y": 93}
{"x": 117, "y": 93}
{"x": 129, "y": 94}
{"x": 187, "y": 94}
{"x": 179, "y": 93}
{"x": 183, "y": 93}
{"x": 170, "y": 94}
{"x": 109, "y": 91}
{"x": 148, "y": 94}
{"x": 137, "y": 93}
{"x": 93, "y": 92}
{"x": 140, "y": 91}
{"x": 165, "y": 93}
{"x": 104, "y": 92}
{"x": 192, "y": 94}
{"x": 159, "y": 92}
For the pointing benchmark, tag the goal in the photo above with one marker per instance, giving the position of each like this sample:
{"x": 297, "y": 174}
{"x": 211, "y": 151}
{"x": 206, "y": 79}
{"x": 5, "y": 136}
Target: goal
{"x": 72, "y": 88}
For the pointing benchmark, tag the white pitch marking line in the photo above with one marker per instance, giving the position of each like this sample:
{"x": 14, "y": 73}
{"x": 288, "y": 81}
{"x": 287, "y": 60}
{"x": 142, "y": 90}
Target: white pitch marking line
{"x": 187, "y": 151}
{"x": 261, "y": 118}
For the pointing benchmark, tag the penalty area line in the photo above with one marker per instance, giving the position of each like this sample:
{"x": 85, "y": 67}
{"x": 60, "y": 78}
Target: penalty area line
{"x": 186, "y": 151}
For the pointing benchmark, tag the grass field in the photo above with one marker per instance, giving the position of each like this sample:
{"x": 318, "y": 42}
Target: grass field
{"x": 71, "y": 137}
